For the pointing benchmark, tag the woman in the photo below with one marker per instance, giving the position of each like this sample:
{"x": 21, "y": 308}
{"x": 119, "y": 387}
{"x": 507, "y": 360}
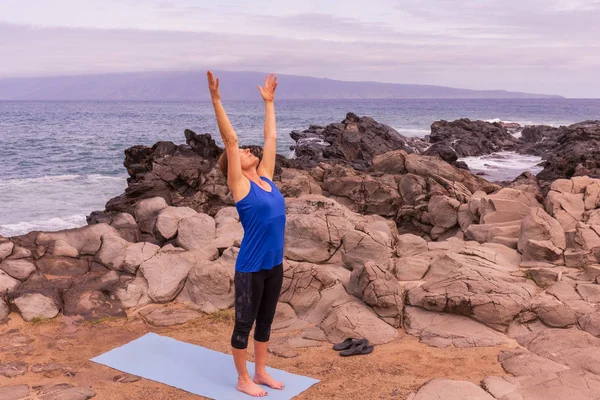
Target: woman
{"x": 259, "y": 268}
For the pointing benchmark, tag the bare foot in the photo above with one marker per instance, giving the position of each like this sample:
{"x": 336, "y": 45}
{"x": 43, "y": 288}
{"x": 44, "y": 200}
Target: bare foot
{"x": 265, "y": 379}
{"x": 250, "y": 388}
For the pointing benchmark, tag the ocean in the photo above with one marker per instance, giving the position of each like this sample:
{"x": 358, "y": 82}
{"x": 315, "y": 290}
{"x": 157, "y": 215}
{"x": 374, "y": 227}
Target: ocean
{"x": 61, "y": 160}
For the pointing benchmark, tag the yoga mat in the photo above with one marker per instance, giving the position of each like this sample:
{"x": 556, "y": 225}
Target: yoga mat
{"x": 192, "y": 368}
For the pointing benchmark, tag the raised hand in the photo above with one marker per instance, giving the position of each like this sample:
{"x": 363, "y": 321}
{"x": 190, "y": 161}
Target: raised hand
{"x": 213, "y": 86}
{"x": 268, "y": 91}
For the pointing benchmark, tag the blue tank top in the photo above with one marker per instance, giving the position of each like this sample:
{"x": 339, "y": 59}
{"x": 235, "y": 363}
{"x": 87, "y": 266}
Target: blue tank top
{"x": 262, "y": 215}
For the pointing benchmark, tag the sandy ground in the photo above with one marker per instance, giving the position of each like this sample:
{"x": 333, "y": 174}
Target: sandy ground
{"x": 392, "y": 371}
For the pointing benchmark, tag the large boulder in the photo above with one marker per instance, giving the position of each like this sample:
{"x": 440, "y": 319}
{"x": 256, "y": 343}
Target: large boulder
{"x": 443, "y": 211}
{"x": 146, "y": 212}
{"x": 195, "y": 231}
{"x": 380, "y": 290}
{"x": 443, "y": 330}
{"x": 359, "y": 248}
{"x": 18, "y": 269}
{"x": 209, "y": 286}
{"x": 315, "y": 227}
{"x": 136, "y": 254}
{"x": 8, "y": 283}
{"x": 37, "y": 306}
{"x": 167, "y": 220}
{"x": 166, "y": 272}
{"x": 538, "y": 225}
{"x": 6, "y": 248}
{"x": 112, "y": 252}
{"x": 87, "y": 240}
{"x": 477, "y": 284}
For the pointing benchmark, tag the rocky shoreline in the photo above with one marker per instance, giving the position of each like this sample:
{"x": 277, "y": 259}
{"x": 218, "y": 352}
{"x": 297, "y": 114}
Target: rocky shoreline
{"x": 383, "y": 235}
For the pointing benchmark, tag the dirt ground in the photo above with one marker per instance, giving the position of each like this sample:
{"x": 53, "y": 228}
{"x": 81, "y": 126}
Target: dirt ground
{"x": 392, "y": 371}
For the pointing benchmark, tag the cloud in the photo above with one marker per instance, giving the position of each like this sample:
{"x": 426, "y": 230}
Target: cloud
{"x": 535, "y": 45}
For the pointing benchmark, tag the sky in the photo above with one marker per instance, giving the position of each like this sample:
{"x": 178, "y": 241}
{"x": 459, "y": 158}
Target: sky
{"x": 537, "y": 46}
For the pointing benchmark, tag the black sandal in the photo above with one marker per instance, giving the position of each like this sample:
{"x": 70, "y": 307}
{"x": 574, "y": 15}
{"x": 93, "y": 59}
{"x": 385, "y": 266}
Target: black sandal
{"x": 346, "y": 344}
{"x": 361, "y": 347}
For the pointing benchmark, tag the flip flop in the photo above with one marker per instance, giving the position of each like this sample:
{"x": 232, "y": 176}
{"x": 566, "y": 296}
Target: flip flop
{"x": 358, "y": 348}
{"x": 346, "y": 344}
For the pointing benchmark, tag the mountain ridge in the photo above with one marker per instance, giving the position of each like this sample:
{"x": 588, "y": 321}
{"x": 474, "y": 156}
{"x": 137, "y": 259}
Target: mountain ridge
{"x": 235, "y": 85}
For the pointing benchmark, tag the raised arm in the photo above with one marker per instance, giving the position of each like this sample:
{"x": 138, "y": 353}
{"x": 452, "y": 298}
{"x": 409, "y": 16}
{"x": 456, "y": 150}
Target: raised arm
{"x": 236, "y": 181}
{"x": 267, "y": 164}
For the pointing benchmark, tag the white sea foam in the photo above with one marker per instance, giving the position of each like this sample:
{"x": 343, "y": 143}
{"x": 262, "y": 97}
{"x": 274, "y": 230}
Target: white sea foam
{"x": 505, "y": 165}
{"x": 409, "y": 132}
{"x": 54, "y": 202}
{"x": 47, "y": 225}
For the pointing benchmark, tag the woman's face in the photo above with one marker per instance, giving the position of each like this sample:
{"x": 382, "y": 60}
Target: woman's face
{"x": 247, "y": 159}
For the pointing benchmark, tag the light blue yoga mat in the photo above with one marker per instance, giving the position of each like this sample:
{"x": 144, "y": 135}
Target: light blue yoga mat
{"x": 192, "y": 368}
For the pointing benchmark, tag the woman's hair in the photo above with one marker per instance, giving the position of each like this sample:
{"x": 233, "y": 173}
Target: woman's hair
{"x": 223, "y": 164}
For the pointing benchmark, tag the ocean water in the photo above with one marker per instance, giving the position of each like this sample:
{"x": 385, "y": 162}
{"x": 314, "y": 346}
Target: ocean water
{"x": 61, "y": 160}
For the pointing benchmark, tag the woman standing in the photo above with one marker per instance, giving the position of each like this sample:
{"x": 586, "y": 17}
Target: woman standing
{"x": 259, "y": 265}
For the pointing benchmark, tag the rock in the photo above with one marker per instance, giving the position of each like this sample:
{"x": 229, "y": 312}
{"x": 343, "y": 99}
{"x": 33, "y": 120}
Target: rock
{"x": 15, "y": 392}
{"x": 112, "y": 252}
{"x": 6, "y": 249}
{"x": 355, "y": 139}
{"x": 167, "y": 220}
{"x": 50, "y": 370}
{"x": 474, "y": 286}
{"x": 146, "y": 212}
{"x": 413, "y": 189}
{"x": 589, "y": 292}
{"x": 553, "y": 313}
{"x": 410, "y": 245}
{"x": 392, "y": 162}
{"x": 524, "y": 363}
{"x": 37, "y": 306}
{"x": 314, "y": 229}
{"x": 18, "y": 269}
{"x": 365, "y": 194}
{"x": 63, "y": 266}
{"x": 442, "y": 330}
{"x": 450, "y": 390}
{"x": 573, "y": 348}
{"x": 443, "y": 211}
{"x": 228, "y": 227}
{"x": 85, "y": 240}
{"x": 472, "y": 138}
{"x": 65, "y": 391}
{"x": 91, "y": 297}
{"x": 195, "y": 231}
{"x": 567, "y": 208}
{"x": 379, "y": 289}
{"x": 8, "y": 283}
{"x": 126, "y": 378}
{"x": 353, "y": 319}
{"x": 138, "y": 253}
{"x": 542, "y": 250}
{"x": 295, "y": 183}
{"x": 19, "y": 253}
{"x": 286, "y": 320}
{"x": 442, "y": 151}
{"x": 210, "y": 284}
{"x": 569, "y": 147}
{"x": 411, "y": 268}
{"x": 591, "y": 197}
{"x": 4, "y": 310}
{"x": 13, "y": 369}
{"x": 538, "y": 225}
{"x": 358, "y": 248}
{"x": 543, "y": 277}
{"x": 166, "y": 273}
{"x": 61, "y": 248}
{"x": 486, "y": 233}
{"x": 128, "y": 229}
{"x": 506, "y": 205}
{"x": 168, "y": 316}
{"x": 134, "y": 293}
{"x": 426, "y": 166}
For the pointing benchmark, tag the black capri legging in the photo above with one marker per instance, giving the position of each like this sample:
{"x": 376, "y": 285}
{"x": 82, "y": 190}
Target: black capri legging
{"x": 256, "y": 296}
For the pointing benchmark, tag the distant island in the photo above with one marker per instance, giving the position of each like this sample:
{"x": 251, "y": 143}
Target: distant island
{"x": 191, "y": 85}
